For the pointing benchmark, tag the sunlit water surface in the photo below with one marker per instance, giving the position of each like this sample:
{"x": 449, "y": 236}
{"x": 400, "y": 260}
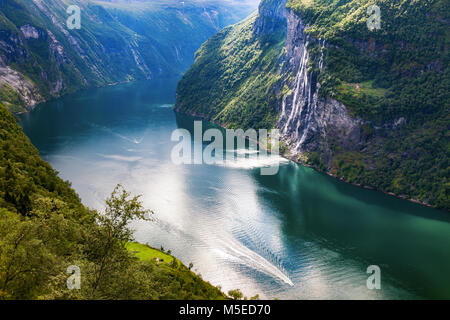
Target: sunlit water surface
{"x": 299, "y": 234}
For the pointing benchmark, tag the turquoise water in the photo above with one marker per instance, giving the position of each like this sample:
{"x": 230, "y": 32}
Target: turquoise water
{"x": 296, "y": 235}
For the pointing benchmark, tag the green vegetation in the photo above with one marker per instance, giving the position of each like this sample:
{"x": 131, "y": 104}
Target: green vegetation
{"x": 44, "y": 229}
{"x": 23, "y": 174}
{"x": 117, "y": 42}
{"x": 362, "y": 96}
{"x": 11, "y": 99}
{"x": 407, "y": 57}
{"x": 235, "y": 294}
{"x": 399, "y": 71}
{"x": 396, "y": 79}
{"x": 231, "y": 79}
{"x": 147, "y": 253}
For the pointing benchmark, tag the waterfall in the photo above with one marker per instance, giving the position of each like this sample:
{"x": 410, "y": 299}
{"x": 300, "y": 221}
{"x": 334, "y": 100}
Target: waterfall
{"x": 298, "y": 107}
{"x": 307, "y": 122}
{"x": 300, "y": 86}
{"x": 322, "y": 45}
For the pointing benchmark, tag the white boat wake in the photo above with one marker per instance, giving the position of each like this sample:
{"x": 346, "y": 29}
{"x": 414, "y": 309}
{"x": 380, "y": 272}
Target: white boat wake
{"x": 234, "y": 250}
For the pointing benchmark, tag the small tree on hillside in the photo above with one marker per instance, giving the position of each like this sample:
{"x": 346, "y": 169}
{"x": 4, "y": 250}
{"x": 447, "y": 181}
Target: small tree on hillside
{"x": 113, "y": 233}
{"x": 235, "y": 294}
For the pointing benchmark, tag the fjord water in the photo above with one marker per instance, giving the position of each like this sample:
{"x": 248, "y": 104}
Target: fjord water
{"x": 298, "y": 234}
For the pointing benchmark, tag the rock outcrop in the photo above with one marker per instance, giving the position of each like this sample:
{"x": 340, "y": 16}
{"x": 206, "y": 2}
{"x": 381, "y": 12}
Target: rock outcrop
{"x": 307, "y": 121}
{"x": 271, "y": 17}
{"x": 42, "y": 58}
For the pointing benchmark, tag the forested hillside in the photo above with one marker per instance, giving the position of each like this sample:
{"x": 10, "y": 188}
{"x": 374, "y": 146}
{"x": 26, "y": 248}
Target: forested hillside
{"x": 239, "y": 69}
{"x": 41, "y": 58}
{"x": 368, "y": 106}
{"x": 44, "y": 229}
{"x": 400, "y": 70}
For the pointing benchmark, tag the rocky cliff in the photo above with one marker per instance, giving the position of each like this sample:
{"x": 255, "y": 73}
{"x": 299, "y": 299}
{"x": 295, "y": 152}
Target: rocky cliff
{"x": 41, "y": 58}
{"x": 271, "y": 17}
{"x": 344, "y": 98}
{"x": 307, "y": 122}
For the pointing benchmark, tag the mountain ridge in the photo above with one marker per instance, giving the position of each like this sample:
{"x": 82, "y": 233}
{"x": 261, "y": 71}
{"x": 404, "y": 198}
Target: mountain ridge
{"x": 339, "y": 107}
{"x": 41, "y": 58}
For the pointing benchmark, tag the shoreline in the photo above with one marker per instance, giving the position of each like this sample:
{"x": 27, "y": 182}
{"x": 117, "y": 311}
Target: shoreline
{"x": 298, "y": 162}
{"x": 31, "y": 107}
{"x": 284, "y": 155}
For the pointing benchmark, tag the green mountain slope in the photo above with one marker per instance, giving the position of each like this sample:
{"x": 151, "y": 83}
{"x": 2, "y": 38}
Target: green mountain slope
{"x": 370, "y": 107}
{"x": 230, "y": 79}
{"x": 404, "y": 64}
{"x": 119, "y": 41}
{"x": 44, "y": 229}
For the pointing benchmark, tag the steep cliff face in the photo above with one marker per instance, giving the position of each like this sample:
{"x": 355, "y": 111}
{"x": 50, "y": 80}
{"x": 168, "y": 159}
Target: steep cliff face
{"x": 271, "y": 17}
{"x": 369, "y": 107}
{"x": 41, "y": 58}
{"x": 291, "y": 95}
{"x": 308, "y": 121}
